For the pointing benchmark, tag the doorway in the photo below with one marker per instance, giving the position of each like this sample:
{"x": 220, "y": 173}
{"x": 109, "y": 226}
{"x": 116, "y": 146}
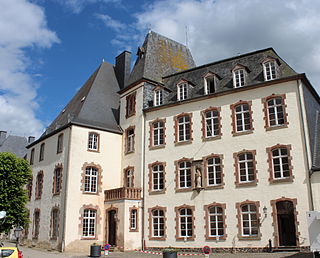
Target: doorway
{"x": 112, "y": 227}
{"x": 286, "y": 223}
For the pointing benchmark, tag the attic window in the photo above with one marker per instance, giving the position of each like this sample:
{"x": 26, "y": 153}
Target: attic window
{"x": 158, "y": 97}
{"x": 63, "y": 111}
{"x": 209, "y": 83}
{"x": 140, "y": 52}
{"x": 239, "y": 78}
{"x": 83, "y": 98}
{"x": 182, "y": 91}
{"x": 270, "y": 70}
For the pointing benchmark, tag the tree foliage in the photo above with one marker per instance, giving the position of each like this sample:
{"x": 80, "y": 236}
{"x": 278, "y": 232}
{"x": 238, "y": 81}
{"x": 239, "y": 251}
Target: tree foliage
{"x": 15, "y": 173}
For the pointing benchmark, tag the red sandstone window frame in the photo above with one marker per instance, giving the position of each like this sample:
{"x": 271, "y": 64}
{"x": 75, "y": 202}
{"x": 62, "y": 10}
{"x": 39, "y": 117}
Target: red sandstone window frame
{"x": 213, "y": 119}
{"x": 272, "y": 178}
{"x": 186, "y": 126}
{"x": 131, "y": 105}
{"x": 267, "y": 114}
{"x": 129, "y": 139}
{"x": 152, "y": 189}
{"x": 151, "y": 235}
{"x": 208, "y": 236}
{"x": 36, "y": 224}
{"x": 161, "y": 134}
{"x": 54, "y": 223}
{"x": 214, "y": 166}
{"x": 240, "y": 214}
{"x": 29, "y": 188}
{"x": 84, "y": 178}
{"x": 87, "y": 223}
{"x": 128, "y": 179}
{"x": 233, "y": 107}
{"x": 239, "y": 182}
{"x": 177, "y": 177}
{"x": 190, "y": 219}
{"x": 134, "y": 219}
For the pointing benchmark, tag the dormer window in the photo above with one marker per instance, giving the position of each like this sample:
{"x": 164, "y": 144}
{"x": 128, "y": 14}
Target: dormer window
{"x": 182, "y": 91}
{"x": 239, "y": 77}
{"x": 158, "y": 97}
{"x": 209, "y": 83}
{"x": 270, "y": 70}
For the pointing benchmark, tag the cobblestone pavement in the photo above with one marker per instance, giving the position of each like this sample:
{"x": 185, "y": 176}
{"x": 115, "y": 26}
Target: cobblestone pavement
{"x": 36, "y": 253}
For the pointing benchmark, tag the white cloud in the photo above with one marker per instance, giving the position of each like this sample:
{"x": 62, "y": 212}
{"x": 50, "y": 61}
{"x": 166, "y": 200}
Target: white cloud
{"x": 220, "y": 29}
{"x": 111, "y": 23}
{"x": 77, "y": 6}
{"x": 22, "y": 25}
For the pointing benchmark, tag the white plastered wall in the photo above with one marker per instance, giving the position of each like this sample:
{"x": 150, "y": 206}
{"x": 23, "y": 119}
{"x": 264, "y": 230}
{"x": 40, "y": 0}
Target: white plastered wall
{"x": 259, "y": 140}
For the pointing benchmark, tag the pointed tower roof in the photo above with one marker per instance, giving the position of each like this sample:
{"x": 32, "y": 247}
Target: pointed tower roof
{"x": 160, "y": 56}
{"x": 95, "y": 105}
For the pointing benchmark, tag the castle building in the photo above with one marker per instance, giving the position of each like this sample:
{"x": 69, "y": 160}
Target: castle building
{"x": 172, "y": 154}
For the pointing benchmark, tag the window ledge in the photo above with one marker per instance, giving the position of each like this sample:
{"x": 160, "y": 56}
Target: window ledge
{"x": 129, "y": 152}
{"x": 281, "y": 180}
{"x": 221, "y": 238}
{"x": 213, "y": 138}
{"x": 89, "y": 193}
{"x": 157, "y": 147}
{"x": 157, "y": 238}
{"x": 245, "y": 184}
{"x": 183, "y": 142}
{"x": 214, "y": 187}
{"x": 242, "y": 133}
{"x": 189, "y": 189}
{"x": 276, "y": 127}
{"x": 157, "y": 192}
{"x": 241, "y": 238}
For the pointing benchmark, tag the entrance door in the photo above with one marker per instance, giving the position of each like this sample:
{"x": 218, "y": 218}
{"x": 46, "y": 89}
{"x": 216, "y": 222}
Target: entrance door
{"x": 112, "y": 228}
{"x": 286, "y": 224}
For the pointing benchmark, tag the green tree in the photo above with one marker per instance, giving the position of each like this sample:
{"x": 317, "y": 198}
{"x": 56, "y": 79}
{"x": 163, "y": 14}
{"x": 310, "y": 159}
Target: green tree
{"x": 15, "y": 173}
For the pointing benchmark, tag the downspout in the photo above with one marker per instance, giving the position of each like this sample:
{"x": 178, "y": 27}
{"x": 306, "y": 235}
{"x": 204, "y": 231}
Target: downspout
{"x": 65, "y": 195}
{"x": 143, "y": 179}
{"x": 299, "y": 84}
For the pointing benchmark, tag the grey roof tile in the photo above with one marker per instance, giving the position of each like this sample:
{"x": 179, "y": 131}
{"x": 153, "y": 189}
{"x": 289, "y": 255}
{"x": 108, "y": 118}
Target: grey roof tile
{"x": 14, "y": 144}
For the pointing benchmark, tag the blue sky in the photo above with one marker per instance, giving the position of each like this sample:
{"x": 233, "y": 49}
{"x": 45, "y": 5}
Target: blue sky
{"x": 49, "y": 48}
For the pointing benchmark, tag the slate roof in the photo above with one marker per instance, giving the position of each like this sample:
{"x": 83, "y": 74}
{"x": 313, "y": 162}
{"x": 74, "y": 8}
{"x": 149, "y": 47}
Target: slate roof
{"x": 14, "y": 144}
{"x": 223, "y": 69}
{"x": 96, "y": 104}
{"x": 160, "y": 56}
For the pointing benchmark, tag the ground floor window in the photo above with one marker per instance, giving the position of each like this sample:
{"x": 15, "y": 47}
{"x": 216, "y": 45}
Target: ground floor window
{"x": 89, "y": 223}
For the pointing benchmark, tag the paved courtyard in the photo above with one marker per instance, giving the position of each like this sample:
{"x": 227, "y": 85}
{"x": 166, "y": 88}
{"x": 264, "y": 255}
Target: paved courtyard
{"x": 37, "y": 253}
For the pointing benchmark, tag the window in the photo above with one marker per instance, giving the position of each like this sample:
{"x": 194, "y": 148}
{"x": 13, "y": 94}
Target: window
{"x": 270, "y": 70}
{"x": 242, "y": 117}
{"x": 211, "y": 123}
{"x": 184, "y": 174}
{"x": 39, "y": 185}
{"x": 60, "y": 143}
{"x": 274, "y": 109}
{"x": 32, "y": 156}
{"x": 239, "y": 78}
{"x": 209, "y": 84}
{"x": 280, "y": 163}
{"x": 91, "y": 180}
{"x": 245, "y": 168}
{"x": 214, "y": 171}
{"x": 54, "y": 229}
{"x": 182, "y": 91}
{"x": 158, "y": 223}
{"x": 89, "y": 223}
{"x": 93, "y": 142}
{"x": 183, "y": 128}
{"x": 129, "y": 177}
{"x": 131, "y": 105}
{"x": 249, "y": 220}
{"x": 158, "y": 97}
{"x": 157, "y": 136}
{"x": 41, "y": 156}
{"x": 36, "y": 223}
{"x": 215, "y": 221}
{"x": 185, "y": 223}
{"x": 157, "y": 177}
{"x": 133, "y": 220}
{"x": 57, "y": 179}
{"x": 130, "y": 140}
{"x": 29, "y": 188}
